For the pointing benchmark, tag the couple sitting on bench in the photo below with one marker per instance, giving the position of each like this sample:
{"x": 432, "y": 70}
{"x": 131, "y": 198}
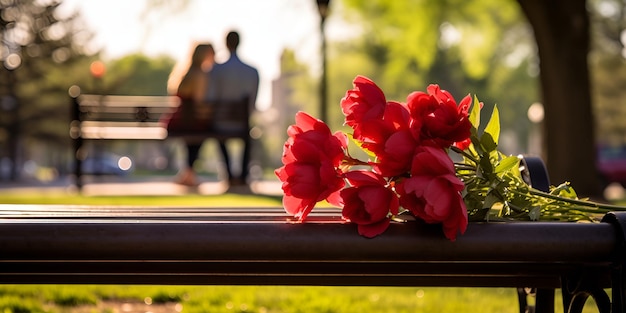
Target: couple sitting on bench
{"x": 216, "y": 98}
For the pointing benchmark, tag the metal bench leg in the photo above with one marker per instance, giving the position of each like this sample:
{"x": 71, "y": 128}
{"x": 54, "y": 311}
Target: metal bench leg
{"x": 618, "y": 287}
{"x": 578, "y": 288}
{"x": 535, "y": 174}
{"x": 618, "y": 274}
{"x": 522, "y": 295}
{"x": 544, "y": 300}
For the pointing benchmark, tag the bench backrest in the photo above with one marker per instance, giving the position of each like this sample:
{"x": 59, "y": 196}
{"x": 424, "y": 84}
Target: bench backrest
{"x": 142, "y": 117}
{"x": 231, "y": 116}
{"x": 121, "y": 117}
{"x": 113, "y": 117}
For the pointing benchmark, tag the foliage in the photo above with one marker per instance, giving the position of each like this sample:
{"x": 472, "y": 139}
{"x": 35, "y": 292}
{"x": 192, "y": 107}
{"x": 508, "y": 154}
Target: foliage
{"x": 472, "y": 29}
{"x": 480, "y": 47}
{"x": 138, "y": 74}
{"x": 43, "y": 49}
{"x": 495, "y": 188}
{"x": 45, "y": 52}
{"x": 42, "y": 53}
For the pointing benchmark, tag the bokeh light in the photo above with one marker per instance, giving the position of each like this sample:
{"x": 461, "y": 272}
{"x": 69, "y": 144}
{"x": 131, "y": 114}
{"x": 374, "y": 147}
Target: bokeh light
{"x": 97, "y": 69}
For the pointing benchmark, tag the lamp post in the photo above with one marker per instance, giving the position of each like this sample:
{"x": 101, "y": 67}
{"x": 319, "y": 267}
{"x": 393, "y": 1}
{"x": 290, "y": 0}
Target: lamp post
{"x": 322, "y": 6}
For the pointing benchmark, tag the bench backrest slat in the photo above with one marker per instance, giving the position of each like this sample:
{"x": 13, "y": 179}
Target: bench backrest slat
{"x": 128, "y": 101}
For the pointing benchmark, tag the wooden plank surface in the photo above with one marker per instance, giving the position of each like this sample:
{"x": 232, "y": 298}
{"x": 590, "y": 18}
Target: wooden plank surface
{"x": 160, "y": 245}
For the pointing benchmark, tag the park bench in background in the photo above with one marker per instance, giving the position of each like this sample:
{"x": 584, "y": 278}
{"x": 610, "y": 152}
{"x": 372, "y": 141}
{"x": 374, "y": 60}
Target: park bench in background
{"x": 113, "y": 117}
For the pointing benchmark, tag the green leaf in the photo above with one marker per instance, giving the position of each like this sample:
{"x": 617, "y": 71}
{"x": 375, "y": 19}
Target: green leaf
{"x": 535, "y": 213}
{"x": 474, "y": 116}
{"x": 475, "y": 141}
{"x": 493, "y": 126}
{"x": 507, "y": 164}
{"x": 488, "y": 143}
{"x": 490, "y": 200}
{"x": 486, "y": 167}
{"x": 515, "y": 172}
{"x": 565, "y": 190}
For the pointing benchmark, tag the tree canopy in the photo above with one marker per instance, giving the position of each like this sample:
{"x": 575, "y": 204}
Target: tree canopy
{"x": 43, "y": 53}
{"x": 484, "y": 48}
{"x": 38, "y": 48}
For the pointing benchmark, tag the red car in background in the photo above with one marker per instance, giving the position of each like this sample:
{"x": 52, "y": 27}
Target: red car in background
{"x": 611, "y": 164}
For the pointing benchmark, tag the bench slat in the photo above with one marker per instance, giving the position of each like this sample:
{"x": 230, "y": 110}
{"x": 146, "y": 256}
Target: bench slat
{"x": 108, "y": 130}
{"x": 128, "y": 101}
{"x": 265, "y": 247}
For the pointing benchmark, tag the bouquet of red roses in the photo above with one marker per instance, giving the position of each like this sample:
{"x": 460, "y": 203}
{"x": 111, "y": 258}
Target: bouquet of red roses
{"x": 409, "y": 166}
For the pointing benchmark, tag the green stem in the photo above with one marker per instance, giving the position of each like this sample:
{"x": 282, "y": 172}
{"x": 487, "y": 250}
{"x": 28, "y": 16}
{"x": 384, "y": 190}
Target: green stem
{"x": 584, "y": 203}
{"x": 464, "y": 167}
{"x": 348, "y": 160}
{"x": 465, "y": 154}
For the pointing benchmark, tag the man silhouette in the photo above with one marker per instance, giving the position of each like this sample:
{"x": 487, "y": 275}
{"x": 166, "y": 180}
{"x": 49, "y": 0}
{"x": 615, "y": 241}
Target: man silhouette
{"x": 230, "y": 82}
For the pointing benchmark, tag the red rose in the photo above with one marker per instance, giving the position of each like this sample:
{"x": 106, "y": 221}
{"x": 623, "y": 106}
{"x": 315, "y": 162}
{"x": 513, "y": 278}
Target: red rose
{"x": 395, "y": 159}
{"x": 363, "y": 103}
{"x": 389, "y": 139}
{"x": 306, "y": 183}
{"x": 311, "y": 158}
{"x": 313, "y": 135}
{"x": 432, "y": 193}
{"x": 441, "y": 120}
{"x": 374, "y": 134}
{"x": 369, "y": 202}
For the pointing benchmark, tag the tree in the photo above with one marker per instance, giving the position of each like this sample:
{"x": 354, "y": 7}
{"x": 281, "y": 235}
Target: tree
{"x": 40, "y": 51}
{"x": 562, "y": 34}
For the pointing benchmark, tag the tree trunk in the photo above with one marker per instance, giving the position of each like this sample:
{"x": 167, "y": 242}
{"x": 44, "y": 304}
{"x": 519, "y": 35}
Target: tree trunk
{"x": 562, "y": 34}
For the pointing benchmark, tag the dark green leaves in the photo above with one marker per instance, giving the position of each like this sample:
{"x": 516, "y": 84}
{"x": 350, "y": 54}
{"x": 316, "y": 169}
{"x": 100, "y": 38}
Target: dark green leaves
{"x": 495, "y": 189}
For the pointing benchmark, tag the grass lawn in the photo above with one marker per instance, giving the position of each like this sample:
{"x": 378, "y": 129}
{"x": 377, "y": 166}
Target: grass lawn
{"x": 266, "y": 299}
{"x": 225, "y": 200}
{"x": 261, "y": 299}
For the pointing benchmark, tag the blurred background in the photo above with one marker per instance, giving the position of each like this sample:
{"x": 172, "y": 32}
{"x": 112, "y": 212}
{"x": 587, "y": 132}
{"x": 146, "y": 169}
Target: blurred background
{"x": 556, "y": 71}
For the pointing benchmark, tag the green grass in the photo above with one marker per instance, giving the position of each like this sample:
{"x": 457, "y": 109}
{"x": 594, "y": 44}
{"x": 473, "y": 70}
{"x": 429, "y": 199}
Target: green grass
{"x": 225, "y": 200}
{"x": 261, "y": 299}
{"x": 267, "y": 299}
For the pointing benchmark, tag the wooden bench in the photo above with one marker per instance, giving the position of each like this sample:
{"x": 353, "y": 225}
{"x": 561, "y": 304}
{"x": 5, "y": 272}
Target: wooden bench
{"x": 62, "y": 244}
{"x": 54, "y": 244}
{"x": 113, "y": 117}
